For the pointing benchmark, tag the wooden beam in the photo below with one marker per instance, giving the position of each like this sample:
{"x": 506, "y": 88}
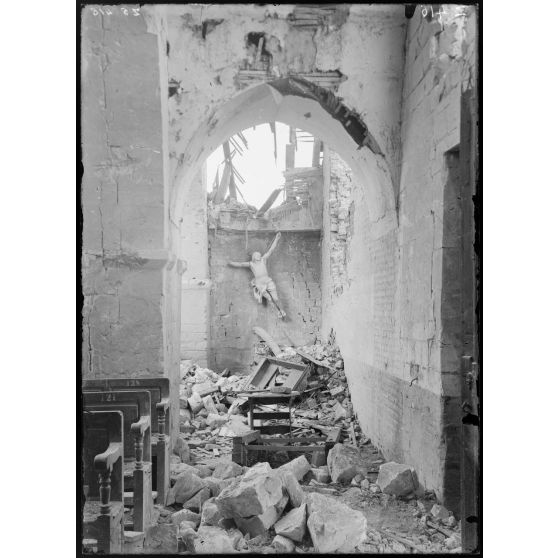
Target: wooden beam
{"x": 269, "y": 202}
{"x": 287, "y": 363}
{"x": 232, "y": 185}
{"x": 222, "y": 189}
{"x": 302, "y": 449}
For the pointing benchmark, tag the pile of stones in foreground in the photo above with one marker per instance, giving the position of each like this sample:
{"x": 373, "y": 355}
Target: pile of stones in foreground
{"x": 256, "y": 509}
{"x": 229, "y": 508}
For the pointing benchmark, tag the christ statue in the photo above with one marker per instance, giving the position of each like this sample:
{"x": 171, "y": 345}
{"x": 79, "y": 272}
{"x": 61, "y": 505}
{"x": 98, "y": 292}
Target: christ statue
{"x": 262, "y": 283}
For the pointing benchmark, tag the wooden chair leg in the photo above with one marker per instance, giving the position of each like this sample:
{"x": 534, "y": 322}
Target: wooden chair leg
{"x": 163, "y": 469}
{"x": 143, "y": 499}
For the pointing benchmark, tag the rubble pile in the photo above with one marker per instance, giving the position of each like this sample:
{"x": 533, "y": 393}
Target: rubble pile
{"x": 261, "y": 509}
{"x": 209, "y": 417}
{"x": 217, "y": 506}
{"x": 253, "y": 509}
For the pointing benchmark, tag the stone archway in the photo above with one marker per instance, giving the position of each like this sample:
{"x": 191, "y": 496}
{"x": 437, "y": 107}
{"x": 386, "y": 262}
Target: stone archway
{"x": 299, "y": 103}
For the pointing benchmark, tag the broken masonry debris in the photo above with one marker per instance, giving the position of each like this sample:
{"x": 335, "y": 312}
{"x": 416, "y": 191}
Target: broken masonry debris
{"x": 397, "y": 479}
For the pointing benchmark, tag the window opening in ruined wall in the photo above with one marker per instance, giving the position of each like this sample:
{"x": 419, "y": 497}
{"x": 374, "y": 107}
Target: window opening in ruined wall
{"x": 255, "y": 160}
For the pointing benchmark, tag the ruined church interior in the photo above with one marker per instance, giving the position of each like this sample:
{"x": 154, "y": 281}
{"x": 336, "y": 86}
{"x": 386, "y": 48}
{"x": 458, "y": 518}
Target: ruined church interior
{"x": 280, "y": 279}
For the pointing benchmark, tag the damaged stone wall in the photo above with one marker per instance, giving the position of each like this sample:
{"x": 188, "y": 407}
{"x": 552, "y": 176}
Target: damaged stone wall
{"x": 403, "y": 287}
{"x": 340, "y": 208}
{"x": 122, "y": 198}
{"x": 128, "y": 276}
{"x": 295, "y": 268}
{"x": 205, "y": 62}
{"x": 398, "y": 318}
{"x": 440, "y": 65}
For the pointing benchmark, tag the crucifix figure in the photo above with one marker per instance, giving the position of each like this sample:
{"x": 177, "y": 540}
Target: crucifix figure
{"x": 263, "y": 284}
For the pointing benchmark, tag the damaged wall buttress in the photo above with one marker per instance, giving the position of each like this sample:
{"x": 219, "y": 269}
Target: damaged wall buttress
{"x": 126, "y": 265}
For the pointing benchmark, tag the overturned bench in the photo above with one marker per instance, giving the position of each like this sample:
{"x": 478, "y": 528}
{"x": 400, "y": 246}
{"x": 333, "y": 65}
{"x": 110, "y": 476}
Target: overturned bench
{"x": 135, "y": 407}
{"x": 103, "y": 480}
{"x": 263, "y": 438}
{"x": 159, "y": 389}
{"x": 254, "y": 441}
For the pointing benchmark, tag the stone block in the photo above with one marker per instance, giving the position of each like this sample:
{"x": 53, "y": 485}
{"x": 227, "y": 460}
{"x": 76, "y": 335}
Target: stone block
{"x": 320, "y": 474}
{"x": 283, "y": 545}
{"x": 258, "y": 490}
{"x": 196, "y": 403}
{"x": 298, "y": 466}
{"x": 210, "y": 515}
{"x": 209, "y": 404}
{"x": 396, "y": 478}
{"x": 176, "y": 469}
{"x": 204, "y": 471}
{"x": 185, "y": 515}
{"x": 258, "y": 524}
{"x": 195, "y": 503}
{"x": 293, "y": 524}
{"x": 227, "y": 470}
{"x": 294, "y": 490}
{"x": 187, "y": 536}
{"x": 214, "y": 486}
{"x": 333, "y": 526}
{"x": 342, "y": 462}
{"x": 187, "y": 485}
{"x": 213, "y": 540}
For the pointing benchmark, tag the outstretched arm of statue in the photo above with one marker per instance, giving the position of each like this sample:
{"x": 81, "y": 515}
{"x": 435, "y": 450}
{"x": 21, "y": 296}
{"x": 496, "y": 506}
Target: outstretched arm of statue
{"x": 239, "y": 264}
{"x": 273, "y": 245}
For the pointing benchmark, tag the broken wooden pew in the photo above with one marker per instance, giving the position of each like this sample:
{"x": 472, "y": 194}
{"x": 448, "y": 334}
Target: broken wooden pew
{"x": 136, "y": 410}
{"x": 159, "y": 389}
{"x": 255, "y": 440}
{"x": 259, "y": 437}
{"x": 103, "y": 479}
{"x": 266, "y": 370}
{"x": 256, "y": 399}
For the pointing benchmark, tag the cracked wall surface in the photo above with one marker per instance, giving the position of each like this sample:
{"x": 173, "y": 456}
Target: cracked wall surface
{"x": 206, "y": 68}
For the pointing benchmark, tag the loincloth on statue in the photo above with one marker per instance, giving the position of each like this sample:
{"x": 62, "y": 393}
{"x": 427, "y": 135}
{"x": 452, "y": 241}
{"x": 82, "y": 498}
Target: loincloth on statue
{"x": 261, "y": 287}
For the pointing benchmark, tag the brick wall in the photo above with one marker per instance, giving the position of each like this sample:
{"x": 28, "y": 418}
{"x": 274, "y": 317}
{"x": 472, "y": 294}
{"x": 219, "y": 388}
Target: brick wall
{"x": 295, "y": 268}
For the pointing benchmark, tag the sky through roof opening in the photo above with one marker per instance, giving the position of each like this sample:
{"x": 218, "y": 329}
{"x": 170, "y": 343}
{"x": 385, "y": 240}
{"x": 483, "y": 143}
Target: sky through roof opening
{"x": 255, "y": 163}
